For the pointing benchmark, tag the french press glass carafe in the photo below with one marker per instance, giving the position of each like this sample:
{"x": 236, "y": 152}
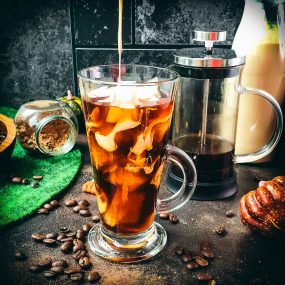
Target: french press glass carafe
{"x": 205, "y": 116}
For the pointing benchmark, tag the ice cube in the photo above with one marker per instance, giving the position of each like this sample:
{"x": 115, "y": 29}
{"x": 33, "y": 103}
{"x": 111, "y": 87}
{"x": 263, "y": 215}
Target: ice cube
{"x": 102, "y": 92}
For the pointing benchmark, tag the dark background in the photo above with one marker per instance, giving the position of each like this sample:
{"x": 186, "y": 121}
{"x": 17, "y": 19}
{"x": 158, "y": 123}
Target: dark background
{"x": 44, "y": 43}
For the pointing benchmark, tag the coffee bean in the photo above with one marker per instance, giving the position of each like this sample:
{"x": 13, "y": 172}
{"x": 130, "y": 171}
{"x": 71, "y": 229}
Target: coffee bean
{"x": 38, "y": 177}
{"x": 38, "y": 237}
{"x": 70, "y": 203}
{"x": 220, "y": 231}
{"x": 76, "y": 276}
{"x": 49, "y": 241}
{"x": 86, "y": 228}
{"x": 35, "y": 184}
{"x": 80, "y": 234}
{"x": 78, "y": 208}
{"x": 93, "y": 276}
{"x": 84, "y": 262}
{"x": 205, "y": 245}
{"x": 201, "y": 261}
{"x": 78, "y": 245}
{"x": 204, "y": 276}
{"x": 173, "y": 218}
{"x": 35, "y": 268}
{"x": 60, "y": 262}
{"x": 66, "y": 246}
{"x": 16, "y": 180}
{"x": 208, "y": 253}
{"x": 48, "y": 206}
{"x": 43, "y": 211}
{"x": 71, "y": 234}
{"x": 186, "y": 257}
{"x": 57, "y": 269}
{"x": 64, "y": 229}
{"x": 67, "y": 239}
{"x": 164, "y": 216}
{"x": 49, "y": 274}
{"x": 79, "y": 254}
{"x": 85, "y": 213}
{"x": 192, "y": 265}
{"x": 179, "y": 250}
{"x": 19, "y": 255}
{"x": 45, "y": 262}
{"x": 61, "y": 236}
{"x": 73, "y": 269}
{"x": 26, "y": 181}
{"x": 83, "y": 202}
{"x": 51, "y": 235}
{"x": 95, "y": 219}
{"x": 54, "y": 203}
{"x": 212, "y": 282}
{"x": 230, "y": 214}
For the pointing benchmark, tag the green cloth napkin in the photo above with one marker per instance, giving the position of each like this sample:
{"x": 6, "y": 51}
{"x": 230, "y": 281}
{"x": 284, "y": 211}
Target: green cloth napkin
{"x": 19, "y": 201}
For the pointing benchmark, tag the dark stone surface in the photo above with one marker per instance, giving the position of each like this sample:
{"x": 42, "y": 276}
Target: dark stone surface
{"x": 242, "y": 257}
{"x": 35, "y": 50}
{"x": 172, "y": 22}
{"x": 90, "y": 57}
{"x": 96, "y": 22}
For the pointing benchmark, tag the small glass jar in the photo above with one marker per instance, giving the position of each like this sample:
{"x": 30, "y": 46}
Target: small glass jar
{"x": 46, "y": 126}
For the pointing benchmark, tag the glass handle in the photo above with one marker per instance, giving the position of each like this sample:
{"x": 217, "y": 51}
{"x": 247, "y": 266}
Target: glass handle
{"x": 185, "y": 163}
{"x": 266, "y": 149}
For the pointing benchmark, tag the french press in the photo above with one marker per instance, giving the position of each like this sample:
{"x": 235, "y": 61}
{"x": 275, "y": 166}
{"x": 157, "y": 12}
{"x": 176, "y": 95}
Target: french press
{"x": 205, "y": 116}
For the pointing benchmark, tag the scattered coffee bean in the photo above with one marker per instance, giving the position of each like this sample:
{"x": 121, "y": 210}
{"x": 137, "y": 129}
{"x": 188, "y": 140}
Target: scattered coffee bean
{"x": 79, "y": 254}
{"x": 67, "y": 239}
{"x": 38, "y": 177}
{"x": 57, "y": 269}
{"x": 85, "y": 213}
{"x": 45, "y": 262}
{"x": 164, "y": 216}
{"x": 35, "y": 184}
{"x": 78, "y": 245}
{"x": 48, "y": 206}
{"x": 179, "y": 250}
{"x": 64, "y": 229}
{"x": 61, "y": 236}
{"x": 208, "y": 253}
{"x": 16, "y": 180}
{"x": 60, "y": 262}
{"x": 35, "y": 268}
{"x": 212, "y": 282}
{"x": 70, "y": 203}
{"x": 49, "y": 274}
{"x": 84, "y": 262}
{"x": 186, "y": 257}
{"x": 49, "y": 241}
{"x": 204, "y": 276}
{"x": 77, "y": 208}
{"x": 220, "y": 231}
{"x": 54, "y": 203}
{"x": 26, "y": 181}
{"x": 51, "y": 235}
{"x": 201, "y": 261}
{"x": 71, "y": 234}
{"x": 86, "y": 228}
{"x": 38, "y": 237}
{"x": 83, "y": 202}
{"x": 93, "y": 276}
{"x": 173, "y": 218}
{"x": 19, "y": 255}
{"x": 230, "y": 214}
{"x": 192, "y": 265}
{"x": 95, "y": 219}
{"x": 73, "y": 269}
{"x": 76, "y": 276}
{"x": 43, "y": 211}
{"x": 80, "y": 234}
{"x": 66, "y": 246}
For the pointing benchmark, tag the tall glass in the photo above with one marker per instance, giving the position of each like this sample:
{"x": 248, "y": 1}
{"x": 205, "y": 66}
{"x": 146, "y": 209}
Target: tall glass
{"x": 127, "y": 124}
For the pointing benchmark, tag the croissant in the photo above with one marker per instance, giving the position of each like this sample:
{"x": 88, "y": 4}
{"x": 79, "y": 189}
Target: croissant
{"x": 263, "y": 209}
